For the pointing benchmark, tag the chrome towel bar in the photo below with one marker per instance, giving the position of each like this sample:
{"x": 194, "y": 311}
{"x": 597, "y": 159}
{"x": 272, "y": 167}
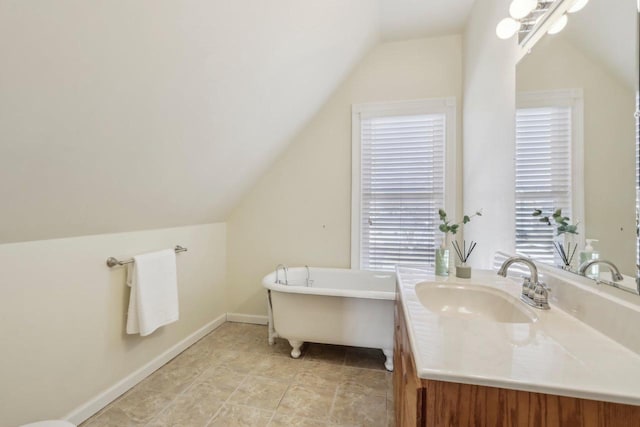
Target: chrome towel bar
{"x": 112, "y": 262}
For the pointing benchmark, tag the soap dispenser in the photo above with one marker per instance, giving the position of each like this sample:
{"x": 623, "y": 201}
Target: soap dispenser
{"x": 587, "y": 255}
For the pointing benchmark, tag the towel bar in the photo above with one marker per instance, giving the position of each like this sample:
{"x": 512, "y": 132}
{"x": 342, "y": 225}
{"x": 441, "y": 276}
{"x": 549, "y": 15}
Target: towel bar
{"x": 112, "y": 262}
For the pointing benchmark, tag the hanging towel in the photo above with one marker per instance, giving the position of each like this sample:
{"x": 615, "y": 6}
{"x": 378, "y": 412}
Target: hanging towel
{"x": 153, "y": 301}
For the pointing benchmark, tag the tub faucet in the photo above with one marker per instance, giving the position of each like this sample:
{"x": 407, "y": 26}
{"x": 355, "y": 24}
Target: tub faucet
{"x": 615, "y": 273}
{"x": 534, "y": 292}
{"x": 284, "y": 269}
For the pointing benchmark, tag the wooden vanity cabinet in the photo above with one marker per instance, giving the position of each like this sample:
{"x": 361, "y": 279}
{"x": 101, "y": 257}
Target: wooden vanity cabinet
{"x": 421, "y": 402}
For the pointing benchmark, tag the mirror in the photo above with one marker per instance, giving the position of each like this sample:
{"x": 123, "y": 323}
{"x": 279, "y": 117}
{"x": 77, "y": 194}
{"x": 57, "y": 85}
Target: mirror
{"x": 592, "y": 66}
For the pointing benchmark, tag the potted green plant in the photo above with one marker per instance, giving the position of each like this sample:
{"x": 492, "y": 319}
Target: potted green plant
{"x": 442, "y": 253}
{"x": 566, "y": 248}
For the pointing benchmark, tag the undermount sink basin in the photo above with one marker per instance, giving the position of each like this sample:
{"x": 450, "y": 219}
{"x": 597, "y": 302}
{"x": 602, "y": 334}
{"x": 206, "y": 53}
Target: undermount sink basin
{"x": 473, "y": 302}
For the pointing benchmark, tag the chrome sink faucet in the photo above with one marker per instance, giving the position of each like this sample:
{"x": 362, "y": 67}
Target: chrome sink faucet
{"x": 615, "y": 273}
{"x": 284, "y": 269}
{"x": 534, "y": 292}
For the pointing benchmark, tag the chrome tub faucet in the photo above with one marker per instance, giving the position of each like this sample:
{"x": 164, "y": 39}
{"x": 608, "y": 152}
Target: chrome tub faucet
{"x": 284, "y": 270}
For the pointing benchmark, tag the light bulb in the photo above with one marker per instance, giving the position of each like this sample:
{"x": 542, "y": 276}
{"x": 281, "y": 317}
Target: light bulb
{"x": 521, "y": 8}
{"x": 577, "y": 5}
{"x": 558, "y": 26}
{"x": 507, "y": 28}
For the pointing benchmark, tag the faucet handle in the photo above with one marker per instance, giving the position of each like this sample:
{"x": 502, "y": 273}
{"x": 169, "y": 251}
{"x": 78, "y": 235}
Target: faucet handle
{"x": 526, "y": 285}
{"x": 541, "y": 295}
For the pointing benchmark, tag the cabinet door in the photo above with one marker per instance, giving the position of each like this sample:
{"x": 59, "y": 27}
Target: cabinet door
{"x": 409, "y": 400}
{"x": 414, "y": 405}
{"x": 399, "y": 371}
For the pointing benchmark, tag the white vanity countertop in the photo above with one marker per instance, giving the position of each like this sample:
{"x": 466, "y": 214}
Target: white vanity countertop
{"x": 557, "y": 354}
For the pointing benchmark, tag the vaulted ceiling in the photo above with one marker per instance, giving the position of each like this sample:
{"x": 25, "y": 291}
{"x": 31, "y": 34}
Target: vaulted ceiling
{"x": 120, "y": 115}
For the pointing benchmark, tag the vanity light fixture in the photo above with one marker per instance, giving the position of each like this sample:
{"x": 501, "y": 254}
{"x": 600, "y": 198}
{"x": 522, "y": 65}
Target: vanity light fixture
{"x": 559, "y": 25}
{"x": 577, "y": 5}
{"x": 521, "y": 8}
{"x": 525, "y": 14}
{"x": 507, "y": 28}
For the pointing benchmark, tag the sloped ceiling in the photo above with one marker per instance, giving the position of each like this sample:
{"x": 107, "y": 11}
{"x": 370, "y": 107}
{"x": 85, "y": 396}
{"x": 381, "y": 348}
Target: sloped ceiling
{"x": 410, "y": 19}
{"x": 120, "y": 115}
{"x": 607, "y": 31}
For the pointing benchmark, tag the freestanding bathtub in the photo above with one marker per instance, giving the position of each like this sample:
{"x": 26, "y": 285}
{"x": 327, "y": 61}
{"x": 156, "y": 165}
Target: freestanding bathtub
{"x": 332, "y": 306}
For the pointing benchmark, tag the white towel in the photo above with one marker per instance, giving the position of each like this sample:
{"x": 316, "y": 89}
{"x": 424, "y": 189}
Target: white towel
{"x": 154, "y": 292}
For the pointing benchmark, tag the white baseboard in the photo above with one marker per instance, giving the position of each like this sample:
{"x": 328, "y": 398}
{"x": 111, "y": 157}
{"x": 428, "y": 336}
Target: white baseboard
{"x": 90, "y": 408}
{"x": 247, "y": 318}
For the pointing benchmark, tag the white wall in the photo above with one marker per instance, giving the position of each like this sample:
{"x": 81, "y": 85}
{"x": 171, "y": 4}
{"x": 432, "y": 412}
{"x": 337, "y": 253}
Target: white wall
{"x": 609, "y": 135}
{"x": 489, "y": 132}
{"x": 168, "y": 109}
{"x": 299, "y": 211}
{"x": 63, "y": 314}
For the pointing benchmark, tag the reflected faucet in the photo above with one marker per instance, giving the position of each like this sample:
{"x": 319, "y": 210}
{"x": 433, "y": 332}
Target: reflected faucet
{"x": 615, "y": 273}
{"x": 284, "y": 269}
{"x": 534, "y": 292}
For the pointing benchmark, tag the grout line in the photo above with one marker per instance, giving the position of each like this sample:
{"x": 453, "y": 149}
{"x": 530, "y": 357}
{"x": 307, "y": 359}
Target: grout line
{"x": 226, "y": 400}
{"x": 333, "y": 404}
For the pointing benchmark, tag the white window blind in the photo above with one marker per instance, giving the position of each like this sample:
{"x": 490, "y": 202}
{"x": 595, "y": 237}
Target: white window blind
{"x": 543, "y": 176}
{"x": 402, "y": 183}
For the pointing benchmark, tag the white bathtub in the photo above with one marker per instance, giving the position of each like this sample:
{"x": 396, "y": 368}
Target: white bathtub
{"x": 338, "y": 306}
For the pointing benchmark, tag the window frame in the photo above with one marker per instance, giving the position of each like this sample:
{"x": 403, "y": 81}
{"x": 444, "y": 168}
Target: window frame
{"x": 446, "y": 106}
{"x": 574, "y": 99}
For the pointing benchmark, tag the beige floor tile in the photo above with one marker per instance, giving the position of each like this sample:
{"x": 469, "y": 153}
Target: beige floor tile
{"x": 365, "y": 381}
{"x": 280, "y": 420}
{"x": 277, "y": 367}
{"x": 371, "y": 358}
{"x": 391, "y": 415}
{"x": 240, "y": 332}
{"x": 280, "y": 347}
{"x": 239, "y": 361}
{"x": 240, "y": 416}
{"x": 191, "y": 410}
{"x": 307, "y": 401}
{"x": 235, "y": 364}
{"x": 219, "y": 382}
{"x": 141, "y": 404}
{"x": 320, "y": 374}
{"x": 112, "y": 417}
{"x": 325, "y": 353}
{"x": 357, "y": 409}
{"x": 259, "y": 392}
{"x": 173, "y": 378}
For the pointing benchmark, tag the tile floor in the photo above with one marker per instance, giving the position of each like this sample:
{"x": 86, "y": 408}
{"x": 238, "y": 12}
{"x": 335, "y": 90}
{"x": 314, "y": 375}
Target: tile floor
{"x": 232, "y": 377}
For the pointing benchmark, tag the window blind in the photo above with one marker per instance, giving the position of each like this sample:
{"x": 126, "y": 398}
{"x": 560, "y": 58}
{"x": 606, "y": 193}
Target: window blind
{"x": 543, "y": 176}
{"x": 402, "y": 188}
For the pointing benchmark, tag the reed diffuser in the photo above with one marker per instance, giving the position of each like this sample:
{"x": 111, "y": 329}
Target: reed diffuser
{"x": 566, "y": 250}
{"x": 463, "y": 270}
{"x": 442, "y": 253}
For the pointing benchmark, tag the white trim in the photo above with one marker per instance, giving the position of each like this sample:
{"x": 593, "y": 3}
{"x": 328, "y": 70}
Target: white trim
{"x": 417, "y": 106}
{"x": 247, "y": 318}
{"x": 83, "y": 412}
{"x": 573, "y": 98}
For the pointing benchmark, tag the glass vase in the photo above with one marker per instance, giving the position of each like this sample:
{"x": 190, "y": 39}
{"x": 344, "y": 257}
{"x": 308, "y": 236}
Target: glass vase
{"x": 442, "y": 262}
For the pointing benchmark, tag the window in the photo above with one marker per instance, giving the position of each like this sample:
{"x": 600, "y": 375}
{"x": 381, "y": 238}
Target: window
{"x": 400, "y": 177}
{"x": 549, "y": 167}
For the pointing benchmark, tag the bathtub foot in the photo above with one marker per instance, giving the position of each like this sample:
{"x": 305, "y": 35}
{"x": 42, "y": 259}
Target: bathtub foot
{"x": 388, "y": 364}
{"x": 295, "y": 352}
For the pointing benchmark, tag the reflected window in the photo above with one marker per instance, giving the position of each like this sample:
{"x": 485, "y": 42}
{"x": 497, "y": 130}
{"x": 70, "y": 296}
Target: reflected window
{"x": 548, "y": 167}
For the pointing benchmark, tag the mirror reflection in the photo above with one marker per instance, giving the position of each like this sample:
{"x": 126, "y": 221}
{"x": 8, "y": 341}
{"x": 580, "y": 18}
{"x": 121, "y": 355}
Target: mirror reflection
{"x": 576, "y": 137}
